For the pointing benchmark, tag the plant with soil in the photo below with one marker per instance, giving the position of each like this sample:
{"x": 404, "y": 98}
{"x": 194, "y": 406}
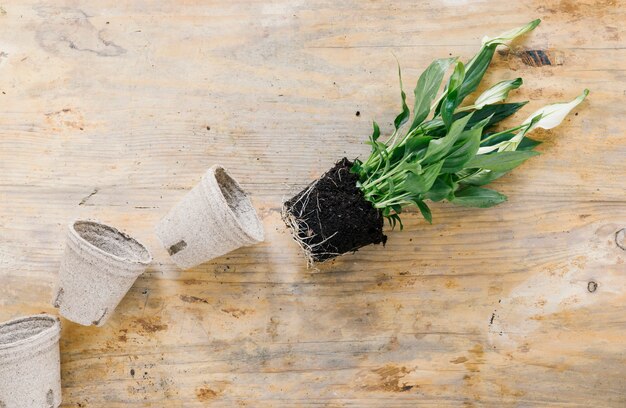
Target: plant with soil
{"x": 440, "y": 151}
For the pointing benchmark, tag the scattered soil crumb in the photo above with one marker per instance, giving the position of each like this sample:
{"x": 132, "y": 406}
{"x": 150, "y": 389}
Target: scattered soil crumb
{"x": 592, "y": 286}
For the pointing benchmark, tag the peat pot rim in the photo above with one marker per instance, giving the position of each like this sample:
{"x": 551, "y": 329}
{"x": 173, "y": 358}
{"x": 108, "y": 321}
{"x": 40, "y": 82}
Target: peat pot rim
{"x": 29, "y": 337}
{"x": 254, "y": 233}
{"x": 136, "y": 257}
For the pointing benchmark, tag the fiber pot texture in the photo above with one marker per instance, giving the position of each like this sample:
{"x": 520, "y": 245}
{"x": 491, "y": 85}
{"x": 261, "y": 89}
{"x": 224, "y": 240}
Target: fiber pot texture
{"x": 214, "y": 218}
{"x": 331, "y": 216}
{"x": 30, "y": 366}
{"x": 99, "y": 266}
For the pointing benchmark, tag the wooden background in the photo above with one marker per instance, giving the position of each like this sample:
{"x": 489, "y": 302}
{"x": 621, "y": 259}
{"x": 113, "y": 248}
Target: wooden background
{"x": 113, "y": 110}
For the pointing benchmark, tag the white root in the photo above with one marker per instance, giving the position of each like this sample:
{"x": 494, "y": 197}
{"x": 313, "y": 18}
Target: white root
{"x": 300, "y": 230}
{"x": 296, "y": 223}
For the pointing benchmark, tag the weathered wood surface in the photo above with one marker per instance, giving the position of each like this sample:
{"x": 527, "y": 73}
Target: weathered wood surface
{"x": 112, "y": 110}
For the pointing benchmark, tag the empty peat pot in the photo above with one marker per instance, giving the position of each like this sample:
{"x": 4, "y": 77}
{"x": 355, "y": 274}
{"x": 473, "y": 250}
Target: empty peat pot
{"x": 30, "y": 366}
{"x": 212, "y": 219}
{"x": 99, "y": 266}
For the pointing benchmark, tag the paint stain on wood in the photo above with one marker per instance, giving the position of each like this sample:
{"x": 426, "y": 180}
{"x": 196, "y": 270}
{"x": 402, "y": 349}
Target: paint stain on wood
{"x": 272, "y": 328}
{"x": 508, "y": 392}
{"x": 151, "y": 325}
{"x": 192, "y": 299}
{"x": 476, "y": 359}
{"x": 122, "y": 336}
{"x": 192, "y": 281}
{"x": 451, "y": 284}
{"x": 205, "y": 394}
{"x": 237, "y": 313}
{"x": 66, "y": 118}
{"x": 612, "y": 34}
{"x": 459, "y": 360}
{"x": 390, "y": 379}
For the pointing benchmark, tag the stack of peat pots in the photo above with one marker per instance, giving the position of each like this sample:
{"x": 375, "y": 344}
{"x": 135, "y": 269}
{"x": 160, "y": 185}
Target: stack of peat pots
{"x": 100, "y": 265}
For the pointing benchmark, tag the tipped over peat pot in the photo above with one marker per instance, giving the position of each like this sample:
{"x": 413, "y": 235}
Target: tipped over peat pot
{"x": 443, "y": 150}
{"x": 213, "y": 219}
{"x": 30, "y": 370}
{"x": 99, "y": 266}
{"x": 332, "y": 217}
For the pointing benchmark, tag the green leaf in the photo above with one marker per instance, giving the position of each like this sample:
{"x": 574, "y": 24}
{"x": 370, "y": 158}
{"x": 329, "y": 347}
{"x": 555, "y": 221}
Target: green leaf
{"x": 428, "y": 216}
{"x": 478, "y": 197}
{"x": 478, "y": 65}
{"x": 436, "y": 128}
{"x": 404, "y": 115}
{"x": 427, "y": 87}
{"x": 451, "y": 99}
{"x": 528, "y": 144}
{"x": 415, "y": 168}
{"x": 495, "y": 139}
{"x": 464, "y": 150}
{"x": 418, "y": 184}
{"x": 483, "y": 177}
{"x": 376, "y": 132}
{"x": 495, "y": 112}
{"x": 448, "y": 157}
{"x": 500, "y": 161}
{"x": 547, "y": 117}
{"x": 441, "y": 188}
{"x": 356, "y": 167}
{"x": 511, "y": 34}
{"x": 476, "y": 69}
{"x": 438, "y": 148}
{"x": 393, "y": 219}
{"x": 415, "y": 144}
{"x": 497, "y": 93}
{"x": 411, "y": 145}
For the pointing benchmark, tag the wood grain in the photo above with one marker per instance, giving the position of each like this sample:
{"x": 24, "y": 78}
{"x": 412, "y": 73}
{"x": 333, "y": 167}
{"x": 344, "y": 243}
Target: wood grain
{"x": 114, "y": 110}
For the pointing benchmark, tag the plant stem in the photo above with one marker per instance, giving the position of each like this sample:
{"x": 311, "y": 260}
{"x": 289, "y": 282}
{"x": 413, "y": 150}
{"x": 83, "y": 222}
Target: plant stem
{"x": 395, "y": 200}
{"x": 397, "y": 167}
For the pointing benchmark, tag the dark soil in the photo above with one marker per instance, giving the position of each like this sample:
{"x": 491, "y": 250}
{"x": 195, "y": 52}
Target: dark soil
{"x": 331, "y": 217}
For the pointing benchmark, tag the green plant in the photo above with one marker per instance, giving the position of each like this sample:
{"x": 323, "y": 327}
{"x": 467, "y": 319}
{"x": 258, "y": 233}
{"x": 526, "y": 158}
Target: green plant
{"x": 453, "y": 154}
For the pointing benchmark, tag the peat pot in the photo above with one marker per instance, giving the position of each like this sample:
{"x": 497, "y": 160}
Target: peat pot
{"x": 214, "y": 218}
{"x": 30, "y": 369}
{"x": 99, "y": 267}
